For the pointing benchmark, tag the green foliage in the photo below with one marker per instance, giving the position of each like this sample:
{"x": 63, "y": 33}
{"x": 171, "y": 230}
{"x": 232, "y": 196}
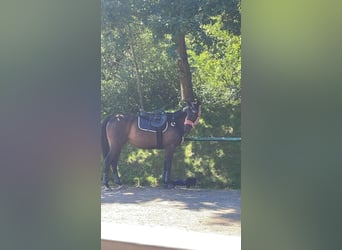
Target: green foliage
{"x": 218, "y": 67}
{"x": 187, "y": 16}
{"x": 215, "y": 60}
{"x": 119, "y": 84}
{"x": 216, "y": 79}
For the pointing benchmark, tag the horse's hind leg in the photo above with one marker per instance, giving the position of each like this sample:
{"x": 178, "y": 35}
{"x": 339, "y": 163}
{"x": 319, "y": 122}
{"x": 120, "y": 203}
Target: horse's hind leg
{"x": 107, "y": 162}
{"x": 114, "y": 163}
{"x": 111, "y": 160}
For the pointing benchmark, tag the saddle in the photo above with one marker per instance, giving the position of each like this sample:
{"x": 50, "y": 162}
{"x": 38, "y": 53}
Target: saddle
{"x": 155, "y": 122}
{"x": 153, "y": 119}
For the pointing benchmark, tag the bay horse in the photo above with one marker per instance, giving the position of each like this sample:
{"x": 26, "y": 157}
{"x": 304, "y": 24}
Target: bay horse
{"x": 117, "y": 130}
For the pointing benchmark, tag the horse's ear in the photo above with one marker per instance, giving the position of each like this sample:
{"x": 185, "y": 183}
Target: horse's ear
{"x": 188, "y": 103}
{"x": 193, "y": 104}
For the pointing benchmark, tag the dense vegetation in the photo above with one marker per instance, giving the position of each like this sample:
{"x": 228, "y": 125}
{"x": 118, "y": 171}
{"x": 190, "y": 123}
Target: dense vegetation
{"x": 139, "y": 47}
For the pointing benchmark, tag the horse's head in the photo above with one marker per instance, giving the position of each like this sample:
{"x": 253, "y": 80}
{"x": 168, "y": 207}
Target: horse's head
{"x": 193, "y": 113}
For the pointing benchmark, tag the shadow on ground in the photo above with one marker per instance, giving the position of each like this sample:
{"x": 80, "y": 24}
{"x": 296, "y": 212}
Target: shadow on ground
{"x": 223, "y": 205}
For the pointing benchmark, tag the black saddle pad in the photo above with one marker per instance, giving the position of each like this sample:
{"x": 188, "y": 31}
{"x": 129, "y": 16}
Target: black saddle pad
{"x": 150, "y": 125}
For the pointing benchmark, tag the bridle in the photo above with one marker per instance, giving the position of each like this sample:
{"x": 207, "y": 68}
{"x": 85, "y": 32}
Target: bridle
{"x": 187, "y": 121}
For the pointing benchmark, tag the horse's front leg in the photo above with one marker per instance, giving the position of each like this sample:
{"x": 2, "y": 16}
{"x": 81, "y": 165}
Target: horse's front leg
{"x": 169, "y": 151}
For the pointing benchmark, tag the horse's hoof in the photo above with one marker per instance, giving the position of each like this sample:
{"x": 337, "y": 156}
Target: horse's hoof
{"x": 169, "y": 186}
{"x": 119, "y": 187}
{"x": 107, "y": 188}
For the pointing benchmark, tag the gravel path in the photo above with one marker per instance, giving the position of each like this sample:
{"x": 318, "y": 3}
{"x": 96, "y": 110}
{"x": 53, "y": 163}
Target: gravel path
{"x": 198, "y": 210}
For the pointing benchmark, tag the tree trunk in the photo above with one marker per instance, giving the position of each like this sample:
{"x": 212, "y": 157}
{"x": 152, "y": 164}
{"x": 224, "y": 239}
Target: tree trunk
{"x": 184, "y": 70}
{"x": 136, "y": 68}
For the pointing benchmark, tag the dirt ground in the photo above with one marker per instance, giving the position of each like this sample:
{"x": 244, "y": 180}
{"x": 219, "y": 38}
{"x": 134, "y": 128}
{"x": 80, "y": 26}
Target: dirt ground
{"x": 198, "y": 210}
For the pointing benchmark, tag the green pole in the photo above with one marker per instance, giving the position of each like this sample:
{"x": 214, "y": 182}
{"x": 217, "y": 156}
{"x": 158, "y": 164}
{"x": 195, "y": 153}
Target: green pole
{"x": 212, "y": 139}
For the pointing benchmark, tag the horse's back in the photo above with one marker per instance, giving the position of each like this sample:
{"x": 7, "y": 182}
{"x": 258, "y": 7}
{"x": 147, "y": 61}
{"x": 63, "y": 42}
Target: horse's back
{"x": 118, "y": 127}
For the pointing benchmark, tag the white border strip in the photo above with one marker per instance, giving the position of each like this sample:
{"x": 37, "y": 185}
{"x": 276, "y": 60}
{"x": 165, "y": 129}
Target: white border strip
{"x": 168, "y": 237}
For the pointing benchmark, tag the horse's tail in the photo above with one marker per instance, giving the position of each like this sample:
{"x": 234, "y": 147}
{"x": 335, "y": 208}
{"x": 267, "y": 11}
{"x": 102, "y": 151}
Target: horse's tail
{"x": 104, "y": 140}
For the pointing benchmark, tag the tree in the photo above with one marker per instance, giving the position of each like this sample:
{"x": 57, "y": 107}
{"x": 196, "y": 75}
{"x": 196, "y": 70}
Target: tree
{"x": 121, "y": 33}
{"x": 177, "y": 18}
{"x": 182, "y": 17}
